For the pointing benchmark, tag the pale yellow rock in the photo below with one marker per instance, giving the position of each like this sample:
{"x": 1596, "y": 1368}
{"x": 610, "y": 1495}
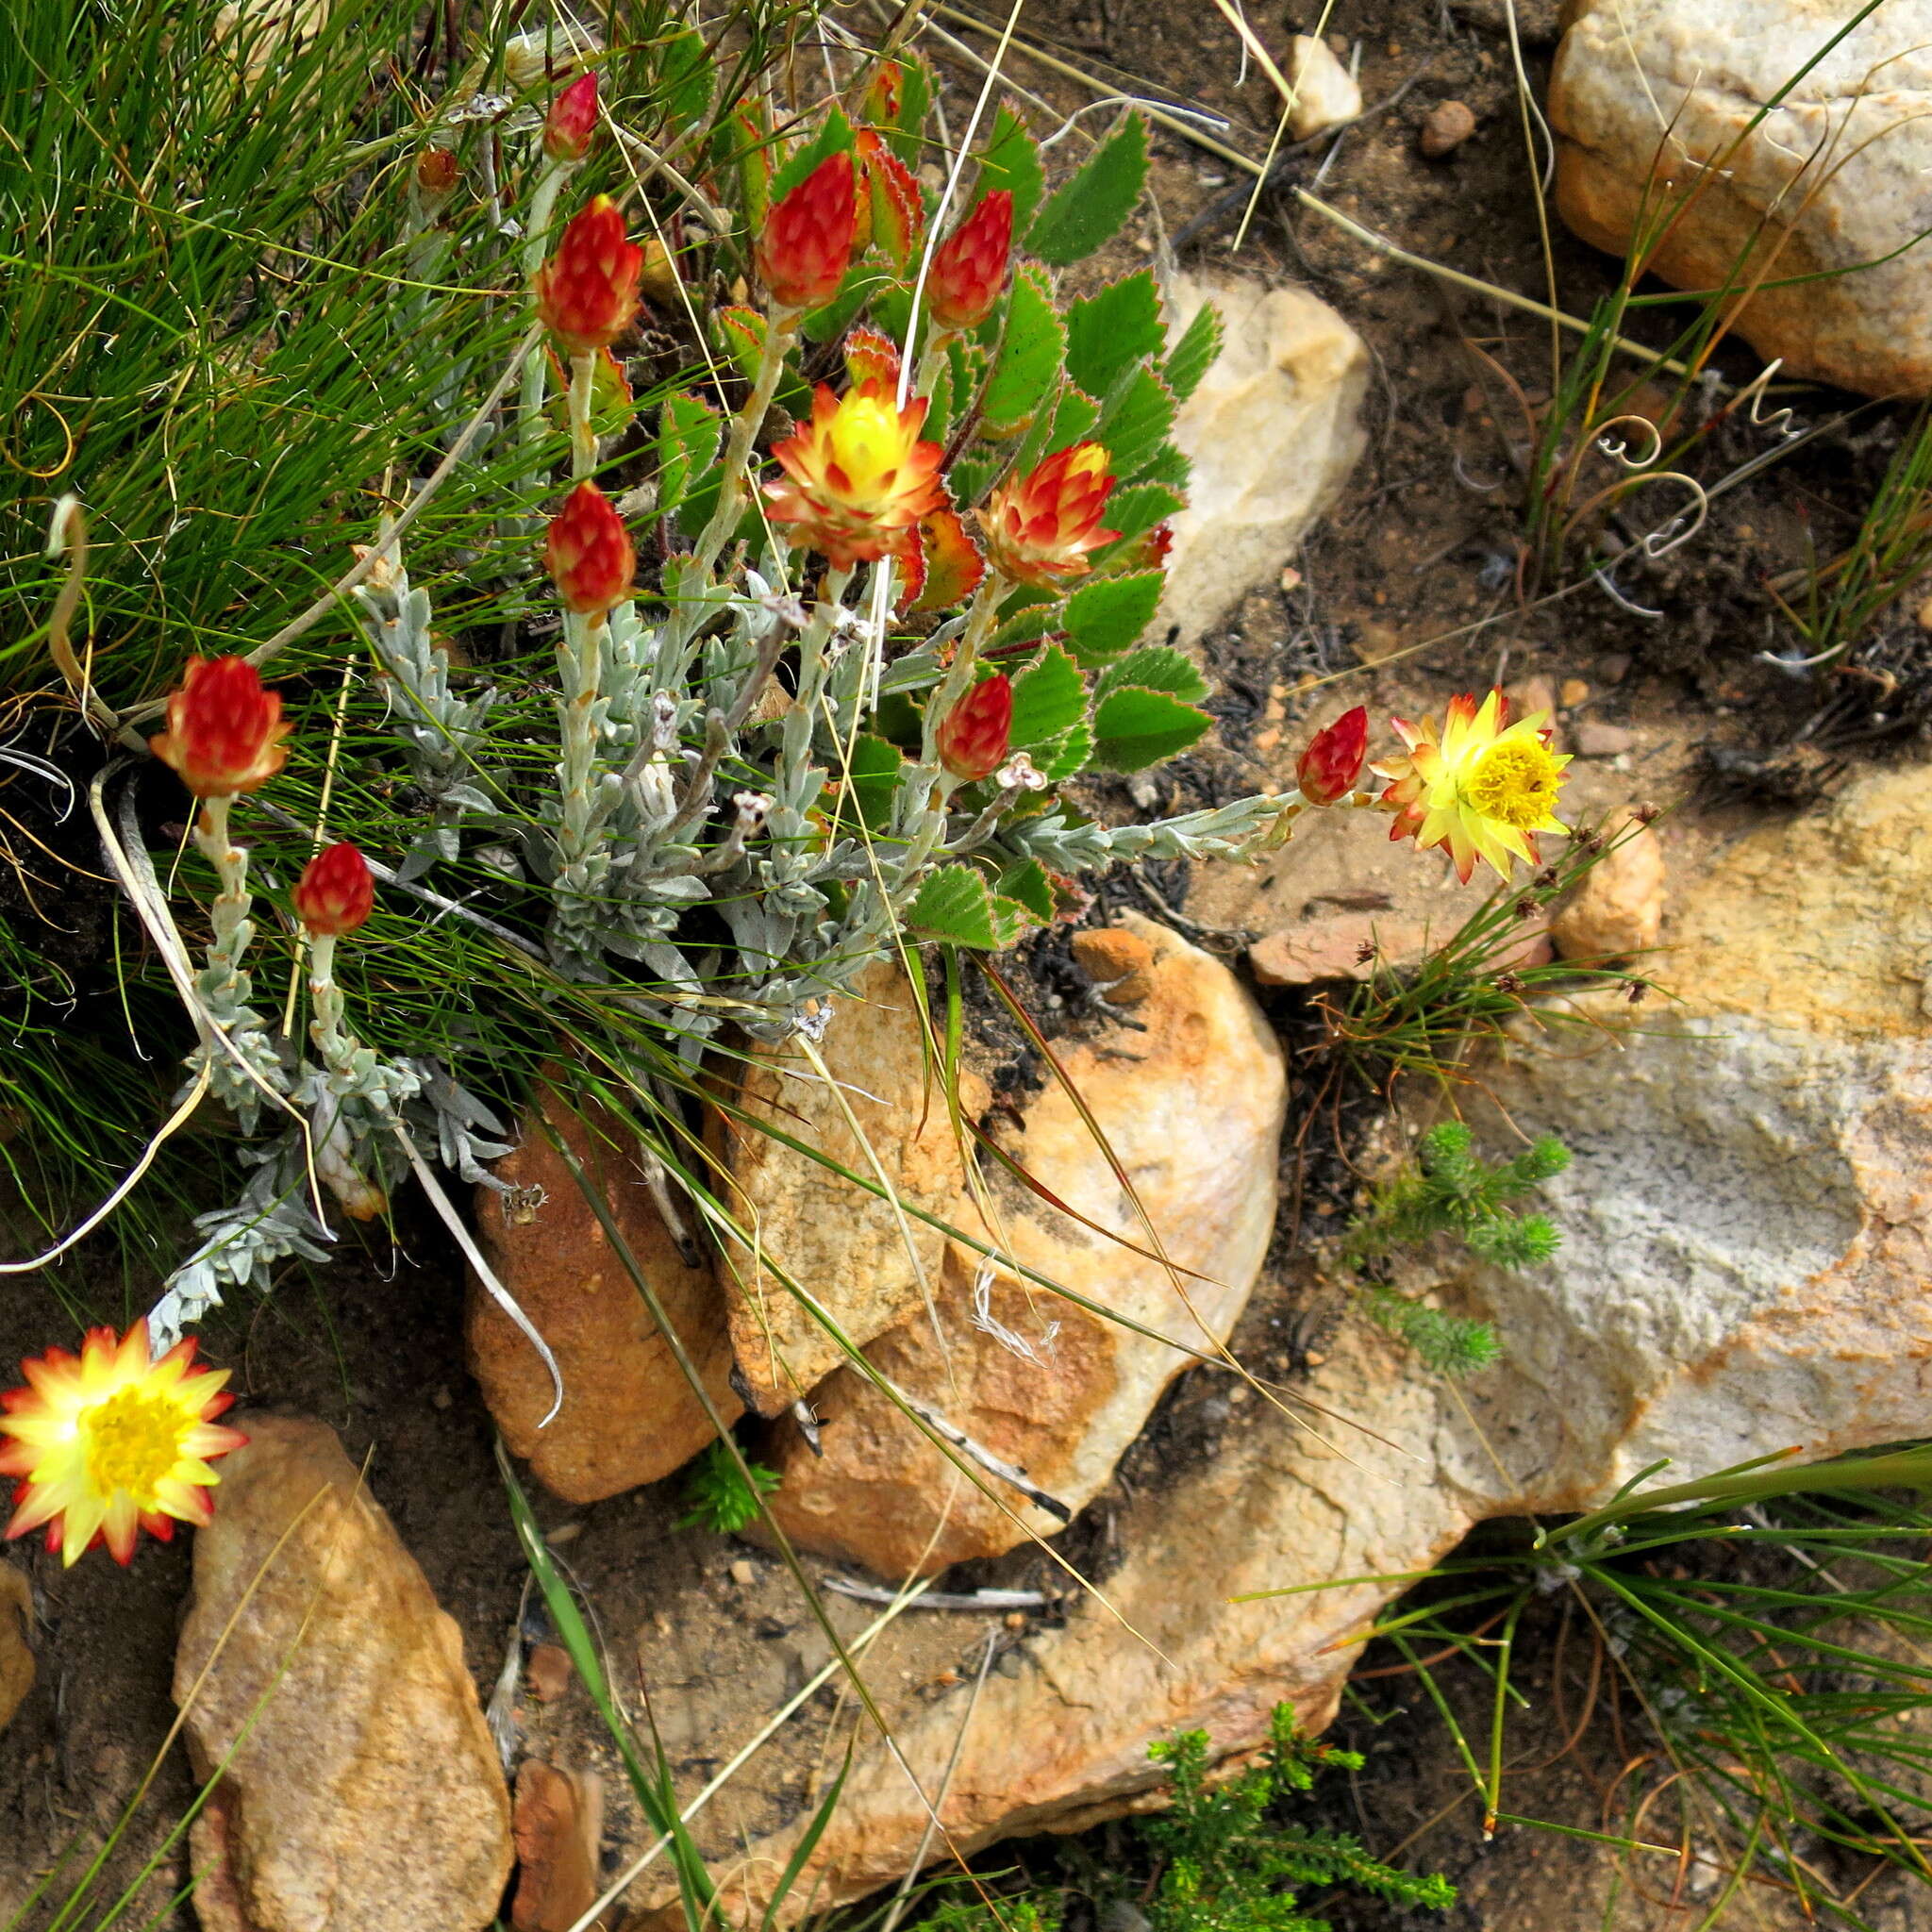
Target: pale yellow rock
{"x": 1831, "y": 178}
{"x": 1272, "y": 433}
{"x": 358, "y": 1786}
{"x": 1326, "y": 93}
{"x": 862, "y": 1261}
{"x": 1190, "y": 1102}
{"x": 1617, "y": 910}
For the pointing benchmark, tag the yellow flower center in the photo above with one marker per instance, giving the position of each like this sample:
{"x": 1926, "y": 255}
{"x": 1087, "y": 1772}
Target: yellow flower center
{"x": 1515, "y": 783}
{"x": 867, "y": 442}
{"x": 133, "y": 1439}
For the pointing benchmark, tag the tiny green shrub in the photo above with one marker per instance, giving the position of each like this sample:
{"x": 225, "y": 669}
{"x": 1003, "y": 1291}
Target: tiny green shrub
{"x": 1451, "y": 1190}
{"x": 717, "y": 1495}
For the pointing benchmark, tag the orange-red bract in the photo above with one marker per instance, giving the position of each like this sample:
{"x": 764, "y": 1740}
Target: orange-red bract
{"x": 335, "y": 892}
{"x": 224, "y": 731}
{"x": 588, "y": 553}
{"x": 587, "y": 293}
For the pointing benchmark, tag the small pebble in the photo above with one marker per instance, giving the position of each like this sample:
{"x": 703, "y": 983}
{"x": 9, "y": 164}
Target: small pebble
{"x": 743, "y": 1575}
{"x": 1924, "y": 615}
{"x": 1449, "y": 124}
{"x": 1597, "y": 738}
{"x": 1575, "y": 692}
{"x": 548, "y": 1673}
{"x": 1614, "y": 667}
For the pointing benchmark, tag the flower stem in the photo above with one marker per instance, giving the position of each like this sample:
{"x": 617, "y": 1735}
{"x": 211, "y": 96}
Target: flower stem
{"x": 779, "y": 328}
{"x": 583, "y": 437}
{"x": 530, "y": 424}
{"x": 233, "y": 928}
{"x": 325, "y": 1018}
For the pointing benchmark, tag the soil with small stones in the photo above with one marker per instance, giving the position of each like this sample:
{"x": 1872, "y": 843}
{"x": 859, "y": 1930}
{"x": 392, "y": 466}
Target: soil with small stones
{"x": 1412, "y": 589}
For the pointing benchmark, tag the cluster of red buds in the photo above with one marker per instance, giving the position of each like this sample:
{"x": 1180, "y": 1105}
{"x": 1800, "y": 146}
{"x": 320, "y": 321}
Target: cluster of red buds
{"x": 972, "y": 737}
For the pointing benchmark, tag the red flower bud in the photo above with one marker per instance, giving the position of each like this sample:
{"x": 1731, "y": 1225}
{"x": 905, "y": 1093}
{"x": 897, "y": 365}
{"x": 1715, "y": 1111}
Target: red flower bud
{"x": 225, "y": 732}
{"x": 572, "y": 121}
{"x": 587, "y": 293}
{"x": 806, "y": 244}
{"x": 335, "y": 892}
{"x": 972, "y": 735}
{"x": 1333, "y": 762}
{"x": 588, "y": 553}
{"x": 968, "y": 269}
{"x": 436, "y": 173}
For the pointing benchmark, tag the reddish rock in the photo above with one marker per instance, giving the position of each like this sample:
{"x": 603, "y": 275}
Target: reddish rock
{"x": 1116, "y": 960}
{"x": 560, "y": 1835}
{"x": 1618, "y": 909}
{"x": 628, "y": 1415}
{"x": 1448, "y": 126}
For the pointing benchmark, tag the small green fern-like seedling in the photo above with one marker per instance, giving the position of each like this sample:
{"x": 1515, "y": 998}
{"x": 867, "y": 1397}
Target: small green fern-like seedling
{"x": 1452, "y": 1189}
{"x": 717, "y": 1497}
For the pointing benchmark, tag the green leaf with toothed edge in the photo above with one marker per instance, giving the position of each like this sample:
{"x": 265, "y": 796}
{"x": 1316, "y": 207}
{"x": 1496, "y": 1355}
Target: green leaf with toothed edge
{"x": 1011, "y": 160}
{"x": 1193, "y": 355}
{"x": 1106, "y": 615}
{"x": 683, "y": 80}
{"x": 1049, "y": 699}
{"x": 1066, "y": 756}
{"x": 1158, "y": 667}
{"x": 1135, "y": 423}
{"x": 1134, "y": 727}
{"x": 1026, "y": 882}
{"x": 906, "y": 137}
{"x": 834, "y": 135}
{"x": 956, "y": 905}
{"x": 1108, "y": 333}
{"x": 1032, "y": 347}
{"x": 1070, "y": 421}
{"x": 1090, "y": 209}
{"x": 1134, "y": 510}
{"x": 688, "y": 430}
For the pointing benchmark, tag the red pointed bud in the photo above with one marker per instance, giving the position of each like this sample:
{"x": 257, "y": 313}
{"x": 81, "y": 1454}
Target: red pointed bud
{"x": 588, "y": 553}
{"x": 224, "y": 731}
{"x": 587, "y": 293}
{"x": 335, "y": 892}
{"x": 1333, "y": 762}
{"x": 572, "y": 121}
{"x": 974, "y": 735}
{"x": 1040, "y": 528}
{"x": 806, "y": 245}
{"x": 968, "y": 269}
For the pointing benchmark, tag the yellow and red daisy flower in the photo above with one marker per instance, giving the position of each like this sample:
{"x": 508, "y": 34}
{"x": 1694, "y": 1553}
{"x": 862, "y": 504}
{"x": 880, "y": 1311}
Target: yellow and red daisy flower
{"x": 109, "y": 1443}
{"x": 857, "y": 476}
{"x": 1483, "y": 787}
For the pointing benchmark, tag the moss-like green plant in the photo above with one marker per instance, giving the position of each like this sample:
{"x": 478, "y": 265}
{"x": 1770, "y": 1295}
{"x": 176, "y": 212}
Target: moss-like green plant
{"x": 1452, "y": 1189}
{"x": 718, "y": 1497}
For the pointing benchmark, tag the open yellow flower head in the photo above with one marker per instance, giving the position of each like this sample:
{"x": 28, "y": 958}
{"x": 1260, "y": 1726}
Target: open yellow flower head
{"x": 111, "y": 1443}
{"x": 1483, "y": 787}
{"x": 858, "y": 477}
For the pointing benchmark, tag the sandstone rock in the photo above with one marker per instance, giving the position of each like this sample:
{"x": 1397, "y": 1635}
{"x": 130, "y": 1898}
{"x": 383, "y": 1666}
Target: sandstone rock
{"x": 1618, "y": 909}
{"x": 1116, "y": 960}
{"x": 1597, "y": 738}
{"x": 847, "y": 1248}
{"x": 560, "y": 1835}
{"x": 1832, "y": 177}
{"x": 1448, "y": 126}
{"x": 16, "y": 1658}
{"x": 359, "y": 1784}
{"x": 1747, "y": 1247}
{"x": 1326, "y": 93}
{"x": 1193, "y": 1107}
{"x": 1272, "y": 433}
{"x": 1354, "y": 945}
{"x": 629, "y": 1414}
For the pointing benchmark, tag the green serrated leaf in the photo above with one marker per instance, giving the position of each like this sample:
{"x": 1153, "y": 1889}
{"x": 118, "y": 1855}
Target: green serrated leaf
{"x": 956, "y": 905}
{"x": 1194, "y": 353}
{"x": 1070, "y": 421}
{"x": 1167, "y": 465}
{"x": 683, "y": 81}
{"x": 686, "y": 447}
{"x": 1108, "y": 333}
{"x": 1135, "y": 423}
{"x": 1011, "y": 160}
{"x": 1067, "y": 756}
{"x": 1089, "y": 210}
{"x": 1029, "y": 358}
{"x": 939, "y": 408}
{"x": 1106, "y": 615}
{"x": 1134, "y": 727}
{"x": 862, "y": 284}
{"x": 1026, "y": 626}
{"x": 906, "y": 134}
{"x": 834, "y": 134}
{"x": 1134, "y": 510}
{"x": 1026, "y": 883}
{"x": 970, "y": 478}
{"x": 872, "y": 779}
{"x": 1049, "y": 698}
{"x": 1157, "y": 667}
